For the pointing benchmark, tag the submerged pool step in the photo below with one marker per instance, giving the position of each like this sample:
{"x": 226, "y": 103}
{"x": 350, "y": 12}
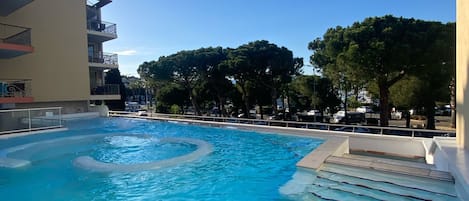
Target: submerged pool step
{"x": 327, "y": 193}
{"x": 362, "y": 190}
{"x": 393, "y": 166}
{"x": 394, "y": 183}
{"x": 389, "y": 190}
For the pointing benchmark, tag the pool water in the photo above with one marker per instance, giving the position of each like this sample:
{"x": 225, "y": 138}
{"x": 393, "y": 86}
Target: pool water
{"x": 240, "y": 165}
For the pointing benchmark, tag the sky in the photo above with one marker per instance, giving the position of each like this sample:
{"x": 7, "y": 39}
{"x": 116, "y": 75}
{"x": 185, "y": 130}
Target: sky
{"x": 148, "y": 29}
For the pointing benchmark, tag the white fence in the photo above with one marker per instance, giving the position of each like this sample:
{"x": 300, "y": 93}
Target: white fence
{"x": 357, "y": 129}
{"x": 33, "y": 119}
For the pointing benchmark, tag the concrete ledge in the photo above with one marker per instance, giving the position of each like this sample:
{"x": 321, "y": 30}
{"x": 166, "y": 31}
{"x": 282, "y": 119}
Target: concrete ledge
{"x": 13, "y": 135}
{"x": 331, "y": 147}
{"x": 456, "y": 160}
{"x": 384, "y": 165}
{"x": 80, "y": 115}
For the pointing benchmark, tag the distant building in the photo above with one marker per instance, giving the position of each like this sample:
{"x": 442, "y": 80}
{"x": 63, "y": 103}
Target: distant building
{"x": 51, "y": 54}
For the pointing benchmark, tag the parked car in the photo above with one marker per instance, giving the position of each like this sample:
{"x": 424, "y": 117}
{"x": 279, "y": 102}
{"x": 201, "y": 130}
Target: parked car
{"x": 310, "y": 116}
{"x": 352, "y": 117}
{"x": 364, "y": 109}
{"x": 396, "y": 115}
{"x": 280, "y": 116}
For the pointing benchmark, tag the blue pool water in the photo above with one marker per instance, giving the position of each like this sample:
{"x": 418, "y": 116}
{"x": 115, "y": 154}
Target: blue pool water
{"x": 232, "y": 165}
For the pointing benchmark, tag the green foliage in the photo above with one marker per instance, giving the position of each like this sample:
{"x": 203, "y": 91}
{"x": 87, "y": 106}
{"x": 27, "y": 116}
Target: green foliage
{"x": 261, "y": 66}
{"x": 114, "y": 77}
{"x": 313, "y": 92}
{"x": 380, "y": 51}
{"x": 171, "y": 94}
{"x": 175, "y": 109}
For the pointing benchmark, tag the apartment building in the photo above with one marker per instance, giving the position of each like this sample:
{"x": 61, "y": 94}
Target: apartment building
{"x": 51, "y": 54}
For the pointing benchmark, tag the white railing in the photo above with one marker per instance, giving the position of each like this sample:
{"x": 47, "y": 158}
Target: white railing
{"x": 356, "y": 129}
{"x": 32, "y": 119}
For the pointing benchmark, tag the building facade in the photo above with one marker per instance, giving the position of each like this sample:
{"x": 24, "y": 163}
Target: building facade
{"x": 51, "y": 54}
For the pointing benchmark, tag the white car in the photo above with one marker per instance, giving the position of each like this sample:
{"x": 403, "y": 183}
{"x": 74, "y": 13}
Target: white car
{"x": 396, "y": 115}
{"x": 364, "y": 109}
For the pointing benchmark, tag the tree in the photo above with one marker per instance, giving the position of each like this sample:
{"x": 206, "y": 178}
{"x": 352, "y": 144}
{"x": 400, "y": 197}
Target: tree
{"x": 262, "y": 64}
{"x": 187, "y": 68}
{"x": 169, "y": 95}
{"x": 310, "y": 91}
{"x": 113, "y": 76}
{"x": 380, "y": 50}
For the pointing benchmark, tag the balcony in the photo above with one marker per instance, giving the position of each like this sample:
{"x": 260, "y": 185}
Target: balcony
{"x": 9, "y": 6}
{"x": 100, "y": 31}
{"x": 14, "y": 41}
{"x": 97, "y": 3}
{"x": 15, "y": 91}
{"x": 105, "y": 92}
{"x": 104, "y": 60}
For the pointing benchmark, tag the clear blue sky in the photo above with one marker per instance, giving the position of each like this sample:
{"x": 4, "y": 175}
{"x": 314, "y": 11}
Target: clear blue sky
{"x": 148, "y": 29}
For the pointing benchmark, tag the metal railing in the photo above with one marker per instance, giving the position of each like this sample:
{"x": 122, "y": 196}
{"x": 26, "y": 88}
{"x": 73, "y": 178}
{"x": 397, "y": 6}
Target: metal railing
{"x": 107, "y": 89}
{"x": 15, "y": 34}
{"x": 104, "y": 58}
{"x": 15, "y": 88}
{"x": 91, "y": 2}
{"x": 102, "y": 26}
{"x": 33, "y": 119}
{"x": 355, "y": 129}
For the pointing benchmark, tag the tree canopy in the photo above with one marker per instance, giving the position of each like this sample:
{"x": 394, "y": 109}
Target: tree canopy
{"x": 379, "y": 50}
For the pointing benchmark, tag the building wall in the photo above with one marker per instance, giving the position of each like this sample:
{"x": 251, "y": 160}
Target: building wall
{"x": 58, "y": 67}
{"x": 462, "y": 70}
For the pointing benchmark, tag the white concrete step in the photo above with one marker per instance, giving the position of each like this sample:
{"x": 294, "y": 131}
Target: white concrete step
{"x": 420, "y": 186}
{"x": 381, "y": 190}
{"x": 390, "y": 165}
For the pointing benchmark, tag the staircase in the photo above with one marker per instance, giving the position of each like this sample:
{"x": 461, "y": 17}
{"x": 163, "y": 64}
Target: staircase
{"x": 356, "y": 177}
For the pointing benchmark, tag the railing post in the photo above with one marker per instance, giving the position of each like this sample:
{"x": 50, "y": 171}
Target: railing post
{"x": 29, "y": 120}
{"x": 60, "y": 117}
{"x": 381, "y": 131}
{"x": 413, "y": 133}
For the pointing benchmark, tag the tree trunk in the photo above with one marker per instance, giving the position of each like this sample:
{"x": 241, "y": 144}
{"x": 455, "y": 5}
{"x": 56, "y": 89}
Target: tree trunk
{"x": 245, "y": 99}
{"x": 384, "y": 105}
{"x": 274, "y": 101}
{"x": 194, "y": 103}
{"x": 261, "y": 111}
{"x": 222, "y": 106}
{"x": 430, "y": 113}
{"x": 345, "y": 105}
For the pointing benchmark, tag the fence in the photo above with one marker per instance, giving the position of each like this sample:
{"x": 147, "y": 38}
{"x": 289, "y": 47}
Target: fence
{"x": 23, "y": 120}
{"x": 356, "y": 129}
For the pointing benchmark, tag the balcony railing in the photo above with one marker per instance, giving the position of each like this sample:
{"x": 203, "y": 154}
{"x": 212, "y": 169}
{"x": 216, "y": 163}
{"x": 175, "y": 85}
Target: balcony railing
{"x": 97, "y": 3}
{"x": 104, "y": 58}
{"x": 15, "y": 88}
{"x": 107, "y": 89}
{"x": 101, "y": 26}
{"x": 24, "y": 120}
{"x": 15, "y": 34}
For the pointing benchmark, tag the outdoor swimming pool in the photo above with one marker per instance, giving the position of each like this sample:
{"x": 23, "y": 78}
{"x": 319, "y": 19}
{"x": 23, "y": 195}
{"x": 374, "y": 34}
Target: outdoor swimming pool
{"x": 131, "y": 159}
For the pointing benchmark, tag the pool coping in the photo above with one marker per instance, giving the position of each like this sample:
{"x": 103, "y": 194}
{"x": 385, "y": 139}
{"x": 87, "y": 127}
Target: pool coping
{"x": 21, "y": 134}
